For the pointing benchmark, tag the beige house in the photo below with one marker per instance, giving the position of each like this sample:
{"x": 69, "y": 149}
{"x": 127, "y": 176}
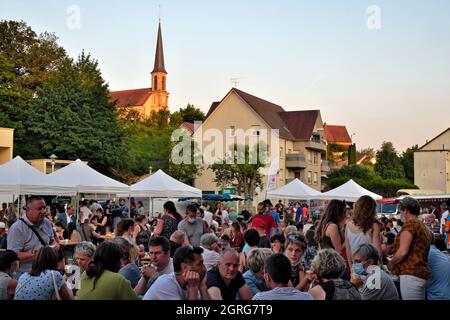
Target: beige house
{"x": 301, "y": 143}
{"x": 432, "y": 164}
{"x": 45, "y": 165}
{"x": 6, "y": 144}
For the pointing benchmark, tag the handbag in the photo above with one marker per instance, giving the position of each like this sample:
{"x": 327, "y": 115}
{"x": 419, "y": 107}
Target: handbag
{"x": 55, "y": 287}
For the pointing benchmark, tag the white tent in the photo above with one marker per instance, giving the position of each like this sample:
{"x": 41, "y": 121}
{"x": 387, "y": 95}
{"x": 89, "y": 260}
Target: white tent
{"x": 350, "y": 191}
{"x": 161, "y": 185}
{"x": 17, "y": 177}
{"x": 295, "y": 190}
{"x": 83, "y": 179}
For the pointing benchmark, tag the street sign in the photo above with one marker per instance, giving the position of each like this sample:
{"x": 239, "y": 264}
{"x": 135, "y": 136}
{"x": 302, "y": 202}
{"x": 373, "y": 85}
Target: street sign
{"x": 230, "y": 191}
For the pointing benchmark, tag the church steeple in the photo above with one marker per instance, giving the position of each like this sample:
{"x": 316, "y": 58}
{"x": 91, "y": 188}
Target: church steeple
{"x": 159, "y": 56}
{"x": 160, "y": 96}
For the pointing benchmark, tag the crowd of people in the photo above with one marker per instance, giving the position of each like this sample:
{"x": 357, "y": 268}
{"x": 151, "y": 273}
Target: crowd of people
{"x": 279, "y": 253}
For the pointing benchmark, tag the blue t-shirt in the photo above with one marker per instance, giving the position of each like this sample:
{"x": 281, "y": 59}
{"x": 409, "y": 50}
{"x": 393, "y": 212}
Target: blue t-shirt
{"x": 438, "y": 287}
{"x": 299, "y": 215}
{"x": 38, "y": 288}
{"x": 277, "y": 219}
{"x": 132, "y": 273}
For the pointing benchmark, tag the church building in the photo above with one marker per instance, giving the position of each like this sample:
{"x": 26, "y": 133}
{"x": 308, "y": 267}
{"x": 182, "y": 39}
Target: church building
{"x": 145, "y": 100}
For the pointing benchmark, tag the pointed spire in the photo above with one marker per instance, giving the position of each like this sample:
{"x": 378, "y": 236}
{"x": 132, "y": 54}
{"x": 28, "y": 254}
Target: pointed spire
{"x": 159, "y": 56}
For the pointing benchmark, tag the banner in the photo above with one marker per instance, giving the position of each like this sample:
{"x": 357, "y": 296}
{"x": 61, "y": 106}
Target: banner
{"x": 273, "y": 173}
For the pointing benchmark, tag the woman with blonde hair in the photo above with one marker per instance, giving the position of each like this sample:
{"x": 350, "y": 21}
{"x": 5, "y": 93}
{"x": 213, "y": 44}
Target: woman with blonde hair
{"x": 324, "y": 275}
{"x": 363, "y": 227}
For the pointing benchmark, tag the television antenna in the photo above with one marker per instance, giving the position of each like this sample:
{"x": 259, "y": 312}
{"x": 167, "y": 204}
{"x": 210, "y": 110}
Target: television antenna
{"x": 235, "y": 81}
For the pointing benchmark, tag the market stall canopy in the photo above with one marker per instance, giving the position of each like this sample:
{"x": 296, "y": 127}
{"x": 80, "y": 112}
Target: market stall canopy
{"x": 294, "y": 190}
{"x": 414, "y": 192}
{"x": 350, "y": 191}
{"x": 83, "y": 179}
{"x": 161, "y": 185}
{"x": 19, "y": 178}
{"x": 219, "y": 197}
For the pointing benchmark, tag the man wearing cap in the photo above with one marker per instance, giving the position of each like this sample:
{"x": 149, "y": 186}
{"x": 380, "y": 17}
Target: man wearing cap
{"x": 2, "y": 236}
{"x": 30, "y": 233}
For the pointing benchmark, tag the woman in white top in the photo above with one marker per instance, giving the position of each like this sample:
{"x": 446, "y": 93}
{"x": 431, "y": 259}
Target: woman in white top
{"x": 363, "y": 227}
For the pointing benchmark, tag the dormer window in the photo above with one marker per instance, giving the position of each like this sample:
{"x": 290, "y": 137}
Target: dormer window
{"x": 315, "y": 137}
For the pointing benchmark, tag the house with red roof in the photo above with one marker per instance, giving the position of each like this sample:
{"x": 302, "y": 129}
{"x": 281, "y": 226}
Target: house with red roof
{"x": 338, "y": 141}
{"x": 300, "y": 140}
{"x": 146, "y": 100}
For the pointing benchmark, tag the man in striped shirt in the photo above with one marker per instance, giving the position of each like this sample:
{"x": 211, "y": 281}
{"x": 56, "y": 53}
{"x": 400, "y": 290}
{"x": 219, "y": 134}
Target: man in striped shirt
{"x": 277, "y": 274}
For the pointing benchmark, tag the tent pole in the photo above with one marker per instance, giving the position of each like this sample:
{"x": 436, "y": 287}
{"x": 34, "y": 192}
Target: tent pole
{"x": 77, "y": 208}
{"x": 153, "y": 213}
{"x": 129, "y": 205}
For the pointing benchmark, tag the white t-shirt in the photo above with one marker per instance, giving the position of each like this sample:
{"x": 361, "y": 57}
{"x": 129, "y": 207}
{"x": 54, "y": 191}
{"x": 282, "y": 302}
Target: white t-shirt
{"x": 210, "y": 258}
{"x": 166, "y": 287}
{"x": 85, "y": 213}
{"x": 283, "y": 293}
{"x": 443, "y": 218}
{"x": 208, "y": 217}
{"x": 225, "y": 216}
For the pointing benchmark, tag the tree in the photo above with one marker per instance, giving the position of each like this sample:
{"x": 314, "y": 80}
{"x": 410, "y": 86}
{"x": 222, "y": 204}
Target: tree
{"x": 352, "y": 154}
{"x": 407, "y": 161}
{"x": 245, "y": 177}
{"x": 159, "y": 119}
{"x": 148, "y": 145}
{"x": 388, "y": 164}
{"x": 73, "y": 117}
{"x": 185, "y": 172}
{"x": 188, "y": 114}
{"x": 27, "y": 61}
{"x": 353, "y": 172}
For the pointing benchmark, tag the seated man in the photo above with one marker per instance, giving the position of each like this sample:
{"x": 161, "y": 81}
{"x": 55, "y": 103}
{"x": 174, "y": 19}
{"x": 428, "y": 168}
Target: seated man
{"x": 187, "y": 282}
{"x": 160, "y": 263}
{"x": 226, "y": 281}
{"x": 277, "y": 276}
{"x": 210, "y": 245}
{"x": 178, "y": 239}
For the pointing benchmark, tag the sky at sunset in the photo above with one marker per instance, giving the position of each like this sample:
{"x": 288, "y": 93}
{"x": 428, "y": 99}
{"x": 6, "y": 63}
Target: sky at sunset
{"x": 385, "y": 74}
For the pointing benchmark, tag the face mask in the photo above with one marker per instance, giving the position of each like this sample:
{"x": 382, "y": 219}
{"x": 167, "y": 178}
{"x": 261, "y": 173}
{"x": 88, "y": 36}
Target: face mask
{"x": 267, "y": 210}
{"x": 192, "y": 220}
{"x": 358, "y": 268}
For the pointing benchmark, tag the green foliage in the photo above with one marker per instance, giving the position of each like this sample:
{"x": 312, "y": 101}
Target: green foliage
{"x": 149, "y": 144}
{"x": 354, "y": 172}
{"x": 27, "y": 61}
{"x": 388, "y": 164}
{"x": 73, "y": 118}
{"x": 387, "y": 178}
{"x": 407, "y": 161}
{"x": 386, "y": 188}
{"x": 244, "y": 175}
{"x": 188, "y": 114}
{"x": 352, "y": 154}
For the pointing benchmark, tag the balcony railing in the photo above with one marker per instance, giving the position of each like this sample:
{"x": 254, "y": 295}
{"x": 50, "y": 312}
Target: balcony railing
{"x": 325, "y": 167}
{"x": 316, "y": 145}
{"x": 296, "y": 160}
